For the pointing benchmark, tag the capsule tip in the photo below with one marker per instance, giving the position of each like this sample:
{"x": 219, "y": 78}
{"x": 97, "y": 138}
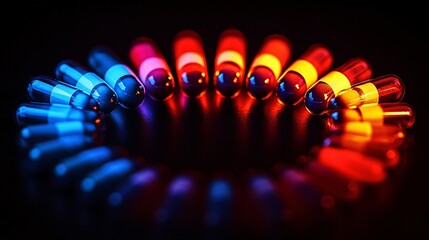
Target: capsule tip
{"x": 261, "y": 82}
{"x": 194, "y": 83}
{"x": 228, "y": 82}
{"x": 317, "y": 98}
{"x": 159, "y": 84}
{"x": 291, "y": 88}
{"x": 130, "y": 92}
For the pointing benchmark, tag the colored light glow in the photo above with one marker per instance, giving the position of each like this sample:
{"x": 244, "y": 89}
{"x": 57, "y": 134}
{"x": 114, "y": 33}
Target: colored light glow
{"x": 316, "y": 61}
{"x": 190, "y": 63}
{"x": 351, "y": 72}
{"x": 152, "y": 67}
{"x": 230, "y": 62}
{"x": 267, "y": 65}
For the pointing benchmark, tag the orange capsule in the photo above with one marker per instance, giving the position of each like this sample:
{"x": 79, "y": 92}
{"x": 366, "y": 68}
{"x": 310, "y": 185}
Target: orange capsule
{"x": 191, "y": 65}
{"x": 353, "y": 71}
{"x": 230, "y": 62}
{"x": 381, "y": 133}
{"x": 400, "y": 113}
{"x": 267, "y": 65}
{"x": 152, "y": 68}
{"x": 386, "y": 88}
{"x": 352, "y": 164}
{"x": 385, "y": 151}
{"x": 303, "y": 73}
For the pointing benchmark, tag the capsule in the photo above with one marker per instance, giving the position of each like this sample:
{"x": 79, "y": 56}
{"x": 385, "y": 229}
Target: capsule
{"x": 43, "y": 88}
{"x": 352, "y": 164}
{"x": 124, "y": 82}
{"x": 291, "y": 86}
{"x": 230, "y": 62}
{"x": 75, "y": 74}
{"x": 353, "y": 71}
{"x": 386, "y": 152}
{"x": 400, "y": 114}
{"x": 79, "y": 164}
{"x": 46, "y": 152}
{"x": 137, "y": 183}
{"x": 386, "y": 88}
{"x": 40, "y": 113}
{"x": 332, "y": 184}
{"x": 267, "y": 65}
{"x": 152, "y": 68}
{"x": 42, "y": 132}
{"x": 389, "y": 134}
{"x": 220, "y": 203}
{"x": 190, "y": 62}
{"x": 98, "y": 182}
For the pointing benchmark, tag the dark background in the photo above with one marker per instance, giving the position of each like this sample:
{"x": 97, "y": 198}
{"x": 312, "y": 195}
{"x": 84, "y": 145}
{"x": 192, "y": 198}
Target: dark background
{"x": 393, "y": 39}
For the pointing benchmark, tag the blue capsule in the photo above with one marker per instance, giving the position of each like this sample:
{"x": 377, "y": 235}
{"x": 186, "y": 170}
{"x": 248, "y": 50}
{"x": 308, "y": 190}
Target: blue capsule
{"x": 43, "y": 88}
{"x": 79, "y": 164}
{"x": 119, "y": 76}
{"x": 38, "y": 113}
{"x": 44, "y": 154}
{"x": 90, "y": 83}
{"x": 105, "y": 177}
{"x": 220, "y": 203}
{"x": 35, "y": 133}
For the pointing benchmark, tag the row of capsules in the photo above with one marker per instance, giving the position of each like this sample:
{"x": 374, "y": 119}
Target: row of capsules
{"x": 62, "y": 126}
{"x": 98, "y": 168}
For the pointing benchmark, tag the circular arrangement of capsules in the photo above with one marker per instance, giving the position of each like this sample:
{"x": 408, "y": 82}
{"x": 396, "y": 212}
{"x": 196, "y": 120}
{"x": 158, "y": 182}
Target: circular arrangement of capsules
{"x": 63, "y": 124}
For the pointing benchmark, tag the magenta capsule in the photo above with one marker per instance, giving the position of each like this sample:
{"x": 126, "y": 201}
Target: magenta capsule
{"x": 152, "y": 68}
{"x": 303, "y": 73}
{"x": 230, "y": 62}
{"x": 267, "y": 65}
{"x": 191, "y": 65}
{"x": 353, "y": 71}
{"x": 396, "y": 113}
{"x": 386, "y": 88}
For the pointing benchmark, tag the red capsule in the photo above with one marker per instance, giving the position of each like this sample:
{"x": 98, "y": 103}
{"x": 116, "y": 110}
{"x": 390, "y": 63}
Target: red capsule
{"x": 267, "y": 65}
{"x": 230, "y": 62}
{"x": 385, "y": 150}
{"x": 317, "y": 97}
{"x": 191, "y": 65}
{"x": 303, "y": 73}
{"x": 152, "y": 68}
